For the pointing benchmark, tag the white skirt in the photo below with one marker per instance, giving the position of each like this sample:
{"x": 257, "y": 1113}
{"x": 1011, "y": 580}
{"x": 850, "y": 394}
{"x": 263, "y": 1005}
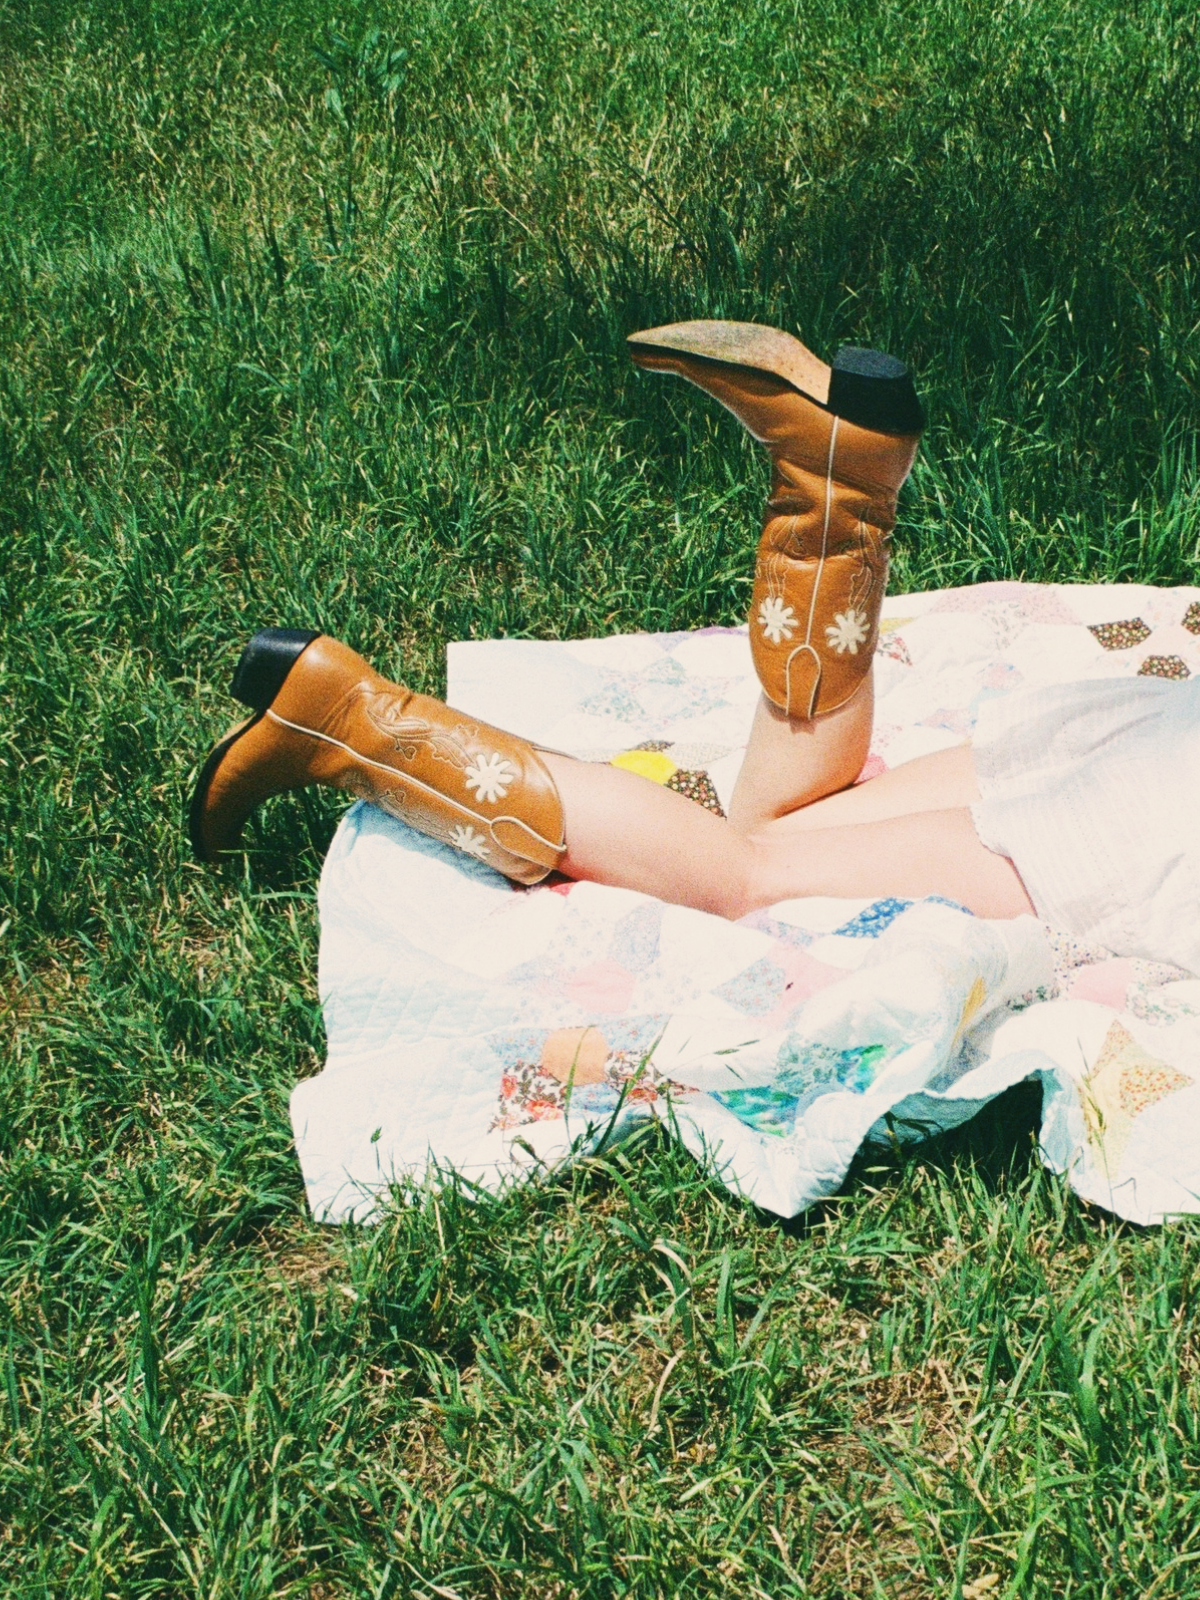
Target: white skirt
{"x": 1093, "y": 792}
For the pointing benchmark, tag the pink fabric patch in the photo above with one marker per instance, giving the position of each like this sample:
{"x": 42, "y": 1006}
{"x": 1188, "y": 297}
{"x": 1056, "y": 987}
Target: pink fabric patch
{"x": 1105, "y": 982}
{"x": 1038, "y": 602}
{"x": 606, "y": 986}
{"x": 1001, "y": 675}
{"x": 874, "y": 766}
{"x": 953, "y": 719}
{"x": 803, "y": 976}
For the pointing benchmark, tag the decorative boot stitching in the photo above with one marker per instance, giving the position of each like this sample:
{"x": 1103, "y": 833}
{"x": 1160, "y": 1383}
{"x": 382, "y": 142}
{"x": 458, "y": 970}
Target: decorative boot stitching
{"x": 387, "y": 716}
{"x": 361, "y": 786}
{"x": 812, "y": 604}
{"x": 862, "y": 584}
{"x": 874, "y": 560}
{"x": 460, "y": 836}
{"x": 486, "y": 774}
{"x": 806, "y": 647}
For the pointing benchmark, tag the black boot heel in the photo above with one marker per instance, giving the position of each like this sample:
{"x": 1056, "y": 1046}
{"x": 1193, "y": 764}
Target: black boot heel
{"x": 266, "y": 662}
{"x": 874, "y": 391}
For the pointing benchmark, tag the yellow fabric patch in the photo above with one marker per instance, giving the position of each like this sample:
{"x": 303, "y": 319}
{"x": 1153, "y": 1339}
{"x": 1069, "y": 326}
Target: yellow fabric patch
{"x": 650, "y": 764}
{"x": 971, "y": 1007}
{"x": 1123, "y": 1082}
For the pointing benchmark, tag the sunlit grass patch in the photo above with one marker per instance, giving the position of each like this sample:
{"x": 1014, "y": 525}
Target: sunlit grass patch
{"x": 318, "y": 318}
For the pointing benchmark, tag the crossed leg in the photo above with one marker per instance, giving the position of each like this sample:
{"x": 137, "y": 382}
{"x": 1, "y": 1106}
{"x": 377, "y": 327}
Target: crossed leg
{"x": 907, "y": 833}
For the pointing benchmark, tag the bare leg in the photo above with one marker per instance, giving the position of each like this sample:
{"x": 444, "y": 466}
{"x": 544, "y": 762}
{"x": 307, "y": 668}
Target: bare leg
{"x": 803, "y": 773}
{"x": 791, "y": 763}
{"x": 941, "y": 781}
{"x": 623, "y": 830}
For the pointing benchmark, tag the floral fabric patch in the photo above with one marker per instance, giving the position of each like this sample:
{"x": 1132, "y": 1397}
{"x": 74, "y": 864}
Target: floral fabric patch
{"x": 697, "y": 786}
{"x": 1120, "y": 635}
{"x": 654, "y": 759}
{"x": 1174, "y": 667}
{"x": 578, "y": 1070}
{"x": 894, "y": 647}
{"x": 1124, "y": 1081}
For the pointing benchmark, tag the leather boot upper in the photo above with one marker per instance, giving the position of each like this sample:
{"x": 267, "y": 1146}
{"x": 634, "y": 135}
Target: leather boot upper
{"x": 823, "y": 557}
{"x": 337, "y": 722}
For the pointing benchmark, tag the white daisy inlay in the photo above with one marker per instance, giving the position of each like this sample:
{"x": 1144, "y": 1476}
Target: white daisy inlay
{"x": 777, "y": 620}
{"x": 469, "y": 840}
{"x": 847, "y": 631}
{"x": 490, "y": 777}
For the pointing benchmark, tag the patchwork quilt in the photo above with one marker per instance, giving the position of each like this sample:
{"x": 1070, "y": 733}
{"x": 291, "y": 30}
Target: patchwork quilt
{"x": 497, "y": 1032}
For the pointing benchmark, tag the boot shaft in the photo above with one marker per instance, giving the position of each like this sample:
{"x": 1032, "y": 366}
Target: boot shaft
{"x": 841, "y": 440}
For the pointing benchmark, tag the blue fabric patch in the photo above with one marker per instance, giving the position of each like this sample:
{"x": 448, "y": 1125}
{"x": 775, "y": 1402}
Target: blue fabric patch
{"x": 785, "y": 932}
{"x": 871, "y": 922}
{"x": 634, "y": 943}
{"x": 812, "y": 1069}
{"x": 766, "y": 1109}
{"x": 940, "y": 900}
{"x": 517, "y": 1046}
{"x": 633, "y": 1036}
{"x": 806, "y": 1073}
{"x": 755, "y": 991}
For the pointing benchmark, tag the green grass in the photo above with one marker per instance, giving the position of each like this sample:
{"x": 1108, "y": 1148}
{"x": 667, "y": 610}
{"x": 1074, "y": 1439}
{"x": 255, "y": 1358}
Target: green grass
{"x": 312, "y": 316}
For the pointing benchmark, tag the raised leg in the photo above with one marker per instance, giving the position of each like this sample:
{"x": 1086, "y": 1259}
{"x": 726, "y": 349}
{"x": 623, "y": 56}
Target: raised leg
{"x": 801, "y": 774}
{"x": 841, "y": 440}
{"x": 941, "y": 781}
{"x": 791, "y": 762}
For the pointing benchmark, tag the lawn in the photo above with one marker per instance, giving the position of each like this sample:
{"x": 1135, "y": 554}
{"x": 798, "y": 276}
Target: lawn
{"x": 316, "y": 317}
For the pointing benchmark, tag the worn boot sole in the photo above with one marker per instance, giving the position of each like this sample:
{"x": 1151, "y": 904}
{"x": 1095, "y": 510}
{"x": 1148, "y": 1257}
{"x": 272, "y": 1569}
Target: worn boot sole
{"x": 865, "y": 387}
{"x": 741, "y": 344}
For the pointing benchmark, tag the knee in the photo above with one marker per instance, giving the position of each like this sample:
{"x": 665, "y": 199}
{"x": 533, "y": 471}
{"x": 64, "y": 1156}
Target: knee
{"x": 745, "y": 887}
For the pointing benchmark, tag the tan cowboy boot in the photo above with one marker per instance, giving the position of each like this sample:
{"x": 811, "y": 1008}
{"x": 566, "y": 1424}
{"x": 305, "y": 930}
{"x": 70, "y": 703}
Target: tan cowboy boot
{"x": 842, "y": 440}
{"x": 323, "y": 716}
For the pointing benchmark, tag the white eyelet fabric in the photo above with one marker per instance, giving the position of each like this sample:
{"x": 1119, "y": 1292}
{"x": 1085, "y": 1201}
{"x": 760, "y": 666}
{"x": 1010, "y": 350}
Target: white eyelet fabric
{"x": 1092, "y": 789}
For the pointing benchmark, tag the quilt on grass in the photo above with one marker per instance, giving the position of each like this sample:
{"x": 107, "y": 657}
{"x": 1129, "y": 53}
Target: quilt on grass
{"x": 498, "y": 1031}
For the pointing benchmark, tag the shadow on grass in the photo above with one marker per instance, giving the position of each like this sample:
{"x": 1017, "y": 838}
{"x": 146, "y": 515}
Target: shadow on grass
{"x": 997, "y": 1149}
